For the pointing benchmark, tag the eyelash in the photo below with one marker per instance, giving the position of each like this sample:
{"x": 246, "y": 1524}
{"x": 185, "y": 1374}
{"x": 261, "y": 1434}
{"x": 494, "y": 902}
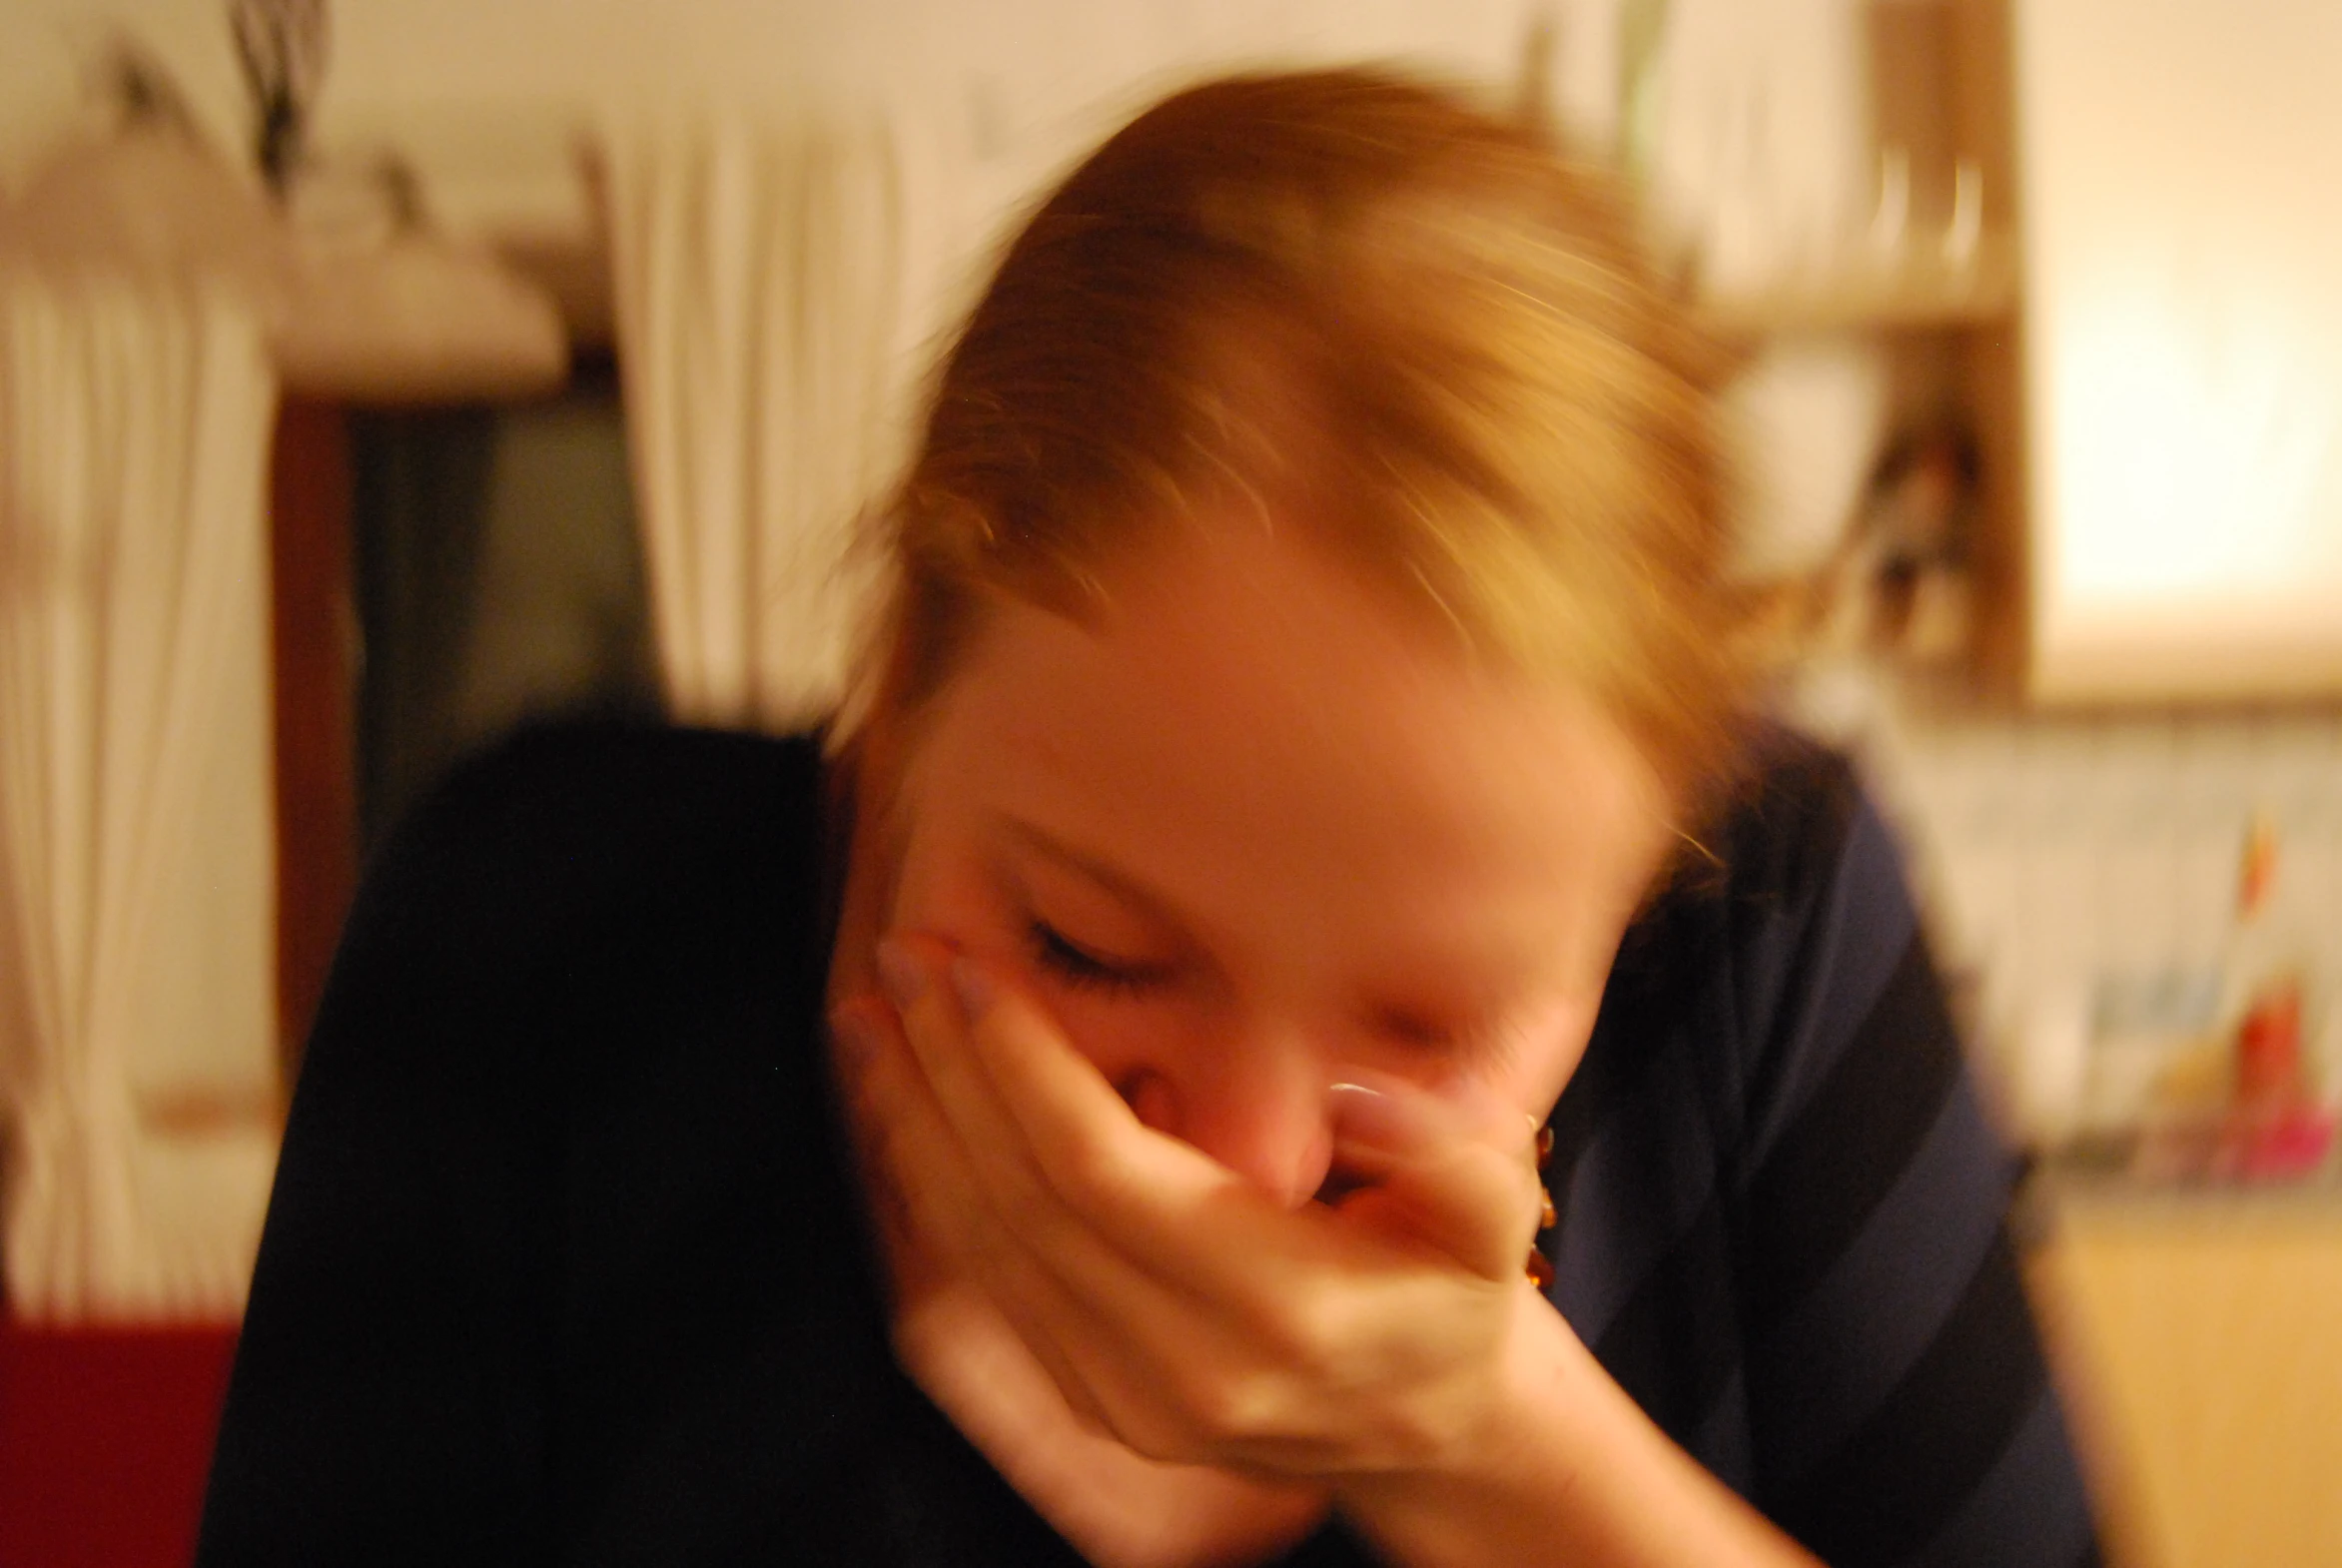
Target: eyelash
{"x": 1078, "y": 967}
{"x": 1416, "y": 1031}
{"x": 1083, "y": 969}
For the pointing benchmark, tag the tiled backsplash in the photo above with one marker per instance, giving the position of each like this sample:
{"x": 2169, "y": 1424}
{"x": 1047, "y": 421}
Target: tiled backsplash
{"x": 2052, "y": 850}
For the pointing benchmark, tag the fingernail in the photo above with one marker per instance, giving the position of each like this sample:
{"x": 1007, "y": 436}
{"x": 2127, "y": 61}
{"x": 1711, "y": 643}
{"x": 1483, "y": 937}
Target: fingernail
{"x": 1371, "y": 1118}
{"x": 977, "y": 989}
{"x": 899, "y": 973}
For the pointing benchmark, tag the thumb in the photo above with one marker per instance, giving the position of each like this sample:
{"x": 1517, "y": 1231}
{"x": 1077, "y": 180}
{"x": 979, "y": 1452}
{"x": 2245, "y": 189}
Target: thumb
{"x": 1454, "y": 1172}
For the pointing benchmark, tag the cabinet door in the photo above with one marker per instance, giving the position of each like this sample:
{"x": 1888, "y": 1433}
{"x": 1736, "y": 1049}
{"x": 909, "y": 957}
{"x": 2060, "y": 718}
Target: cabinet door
{"x": 2183, "y": 283}
{"x": 2202, "y": 1354}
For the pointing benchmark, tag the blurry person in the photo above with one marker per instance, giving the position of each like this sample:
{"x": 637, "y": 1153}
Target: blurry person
{"x": 1089, "y": 1109}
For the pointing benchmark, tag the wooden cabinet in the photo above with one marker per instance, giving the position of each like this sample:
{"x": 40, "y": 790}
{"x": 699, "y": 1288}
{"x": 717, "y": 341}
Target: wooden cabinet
{"x": 2146, "y": 338}
{"x": 2200, "y": 1344}
{"x": 1938, "y": 281}
{"x": 2182, "y": 272}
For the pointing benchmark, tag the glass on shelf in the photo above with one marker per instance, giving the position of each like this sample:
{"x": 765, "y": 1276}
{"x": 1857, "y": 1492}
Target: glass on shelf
{"x": 1891, "y": 277}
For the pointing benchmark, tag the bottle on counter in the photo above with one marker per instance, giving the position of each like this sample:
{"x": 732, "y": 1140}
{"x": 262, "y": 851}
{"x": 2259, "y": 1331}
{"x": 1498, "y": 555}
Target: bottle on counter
{"x": 2276, "y": 1128}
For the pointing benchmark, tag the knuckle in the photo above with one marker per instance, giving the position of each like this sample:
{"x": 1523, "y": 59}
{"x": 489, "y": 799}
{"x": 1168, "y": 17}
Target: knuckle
{"x": 1090, "y": 1172}
{"x": 1163, "y": 1441}
{"x": 1315, "y": 1327}
{"x": 1302, "y": 1338}
{"x": 1234, "y": 1411}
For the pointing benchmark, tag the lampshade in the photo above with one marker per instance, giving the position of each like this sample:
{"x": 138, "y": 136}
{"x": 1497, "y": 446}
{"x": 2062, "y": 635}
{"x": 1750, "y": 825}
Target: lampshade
{"x": 387, "y": 312}
{"x": 151, "y": 201}
{"x": 410, "y": 317}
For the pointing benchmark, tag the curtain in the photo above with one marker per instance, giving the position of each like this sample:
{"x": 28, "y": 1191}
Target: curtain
{"x": 136, "y": 851}
{"x": 778, "y": 284}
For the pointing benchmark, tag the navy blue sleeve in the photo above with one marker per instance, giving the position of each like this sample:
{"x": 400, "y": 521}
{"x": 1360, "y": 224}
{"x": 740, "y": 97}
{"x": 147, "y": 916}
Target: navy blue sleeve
{"x": 387, "y": 1403}
{"x": 526, "y": 966}
{"x": 1782, "y": 1211}
{"x": 1899, "y": 1409}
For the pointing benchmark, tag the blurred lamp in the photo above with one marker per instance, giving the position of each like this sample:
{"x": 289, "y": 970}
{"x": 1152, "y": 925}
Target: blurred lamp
{"x": 363, "y": 300}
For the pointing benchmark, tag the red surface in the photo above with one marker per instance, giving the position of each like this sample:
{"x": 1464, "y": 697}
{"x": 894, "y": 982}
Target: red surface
{"x": 105, "y": 1438}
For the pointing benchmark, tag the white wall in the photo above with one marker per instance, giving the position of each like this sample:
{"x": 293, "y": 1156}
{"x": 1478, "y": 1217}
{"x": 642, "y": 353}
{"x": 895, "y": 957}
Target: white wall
{"x": 2054, "y": 851}
{"x": 485, "y": 93}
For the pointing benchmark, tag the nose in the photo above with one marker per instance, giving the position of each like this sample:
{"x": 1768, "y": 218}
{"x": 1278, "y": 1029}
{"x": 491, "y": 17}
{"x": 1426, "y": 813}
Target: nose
{"x": 1257, "y": 1103}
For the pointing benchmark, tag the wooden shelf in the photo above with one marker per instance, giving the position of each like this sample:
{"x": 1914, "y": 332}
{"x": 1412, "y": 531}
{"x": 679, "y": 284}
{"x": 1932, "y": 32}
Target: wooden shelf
{"x": 1912, "y": 292}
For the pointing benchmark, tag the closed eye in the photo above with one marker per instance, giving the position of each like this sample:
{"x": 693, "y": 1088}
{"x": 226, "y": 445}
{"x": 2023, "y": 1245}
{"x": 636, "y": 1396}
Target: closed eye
{"x": 1417, "y": 1031}
{"x": 1088, "y": 968}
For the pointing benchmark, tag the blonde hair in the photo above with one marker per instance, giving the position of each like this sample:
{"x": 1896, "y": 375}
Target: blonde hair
{"x": 1346, "y": 290}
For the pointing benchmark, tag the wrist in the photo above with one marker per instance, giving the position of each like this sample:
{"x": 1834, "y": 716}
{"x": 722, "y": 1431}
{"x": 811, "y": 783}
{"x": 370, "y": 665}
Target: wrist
{"x": 1523, "y": 1424}
{"x": 1565, "y": 1468}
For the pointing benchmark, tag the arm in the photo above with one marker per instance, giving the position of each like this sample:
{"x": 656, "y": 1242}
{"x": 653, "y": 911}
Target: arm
{"x": 1864, "y": 1302}
{"x": 384, "y": 1405}
{"x": 1899, "y": 1407}
{"x": 1569, "y": 1471}
{"x": 535, "y": 1186}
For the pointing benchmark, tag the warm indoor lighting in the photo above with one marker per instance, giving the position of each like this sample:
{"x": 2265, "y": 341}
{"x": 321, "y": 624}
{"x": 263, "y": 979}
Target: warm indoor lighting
{"x": 2196, "y": 442}
{"x": 2184, "y": 289}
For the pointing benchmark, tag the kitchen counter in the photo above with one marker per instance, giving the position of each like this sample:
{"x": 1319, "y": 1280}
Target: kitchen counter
{"x": 2197, "y": 1329}
{"x": 2056, "y": 1188}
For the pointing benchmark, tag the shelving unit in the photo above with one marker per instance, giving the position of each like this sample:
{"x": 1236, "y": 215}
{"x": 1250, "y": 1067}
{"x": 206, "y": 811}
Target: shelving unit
{"x": 1952, "y": 328}
{"x": 1907, "y": 294}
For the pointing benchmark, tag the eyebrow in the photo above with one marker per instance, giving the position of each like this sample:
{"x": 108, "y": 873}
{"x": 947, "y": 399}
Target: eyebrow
{"x": 1142, "y": 897}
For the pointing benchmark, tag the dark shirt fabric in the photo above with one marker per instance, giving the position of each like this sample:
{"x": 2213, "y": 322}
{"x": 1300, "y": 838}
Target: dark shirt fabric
{"x": 565, "y": 1264}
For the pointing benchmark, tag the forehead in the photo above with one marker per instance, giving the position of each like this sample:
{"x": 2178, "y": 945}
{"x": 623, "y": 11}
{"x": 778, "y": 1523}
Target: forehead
{"x": 1252, "y": 730}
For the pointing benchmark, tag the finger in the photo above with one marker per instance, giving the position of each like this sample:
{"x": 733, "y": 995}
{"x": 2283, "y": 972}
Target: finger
{"x": 1199, "y": 1319}
{"x": 1170, "y": 1250}
{"x": 1452, "y": 1174}
{"x": 1159, "y": 1203}
{"x": 919, "y": 1172}
{"x": 1086, "y": 1141}
{"x": 923, "y": 1193}
{"x": 915, "y": 971}
{"x": 913, "y": 1165}
{"x": 1202, "y": 1319}
{"x": 1054, "y": 1149}
{"x": 1094, "y": 1316}
{"x": 1052, "y": 1143}
{"x": 921, "y": 1165}
{"x": 1380, "y": 1117}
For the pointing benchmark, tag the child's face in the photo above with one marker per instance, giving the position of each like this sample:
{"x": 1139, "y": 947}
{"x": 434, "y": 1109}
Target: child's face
{"x": 1252, "y": 832}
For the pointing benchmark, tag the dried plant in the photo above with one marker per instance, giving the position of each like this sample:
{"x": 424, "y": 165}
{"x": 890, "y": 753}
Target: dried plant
{"x": 281, "y": 45}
